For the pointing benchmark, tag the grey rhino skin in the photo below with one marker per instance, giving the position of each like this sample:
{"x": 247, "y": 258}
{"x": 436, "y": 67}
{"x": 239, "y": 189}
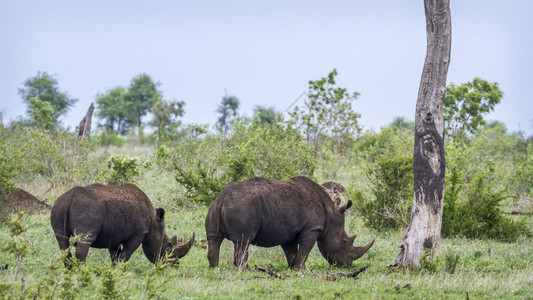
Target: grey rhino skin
{"x": 119, "y": 218}
{"x": 294, "y": 214}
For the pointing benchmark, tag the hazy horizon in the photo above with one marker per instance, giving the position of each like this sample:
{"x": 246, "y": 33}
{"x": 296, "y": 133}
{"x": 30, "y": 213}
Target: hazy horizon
{"x": 264, "y": 53}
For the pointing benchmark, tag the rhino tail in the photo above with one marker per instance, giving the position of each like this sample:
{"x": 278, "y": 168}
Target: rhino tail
{"x": 59, "y": 218}
{"x": 212, "y": 220}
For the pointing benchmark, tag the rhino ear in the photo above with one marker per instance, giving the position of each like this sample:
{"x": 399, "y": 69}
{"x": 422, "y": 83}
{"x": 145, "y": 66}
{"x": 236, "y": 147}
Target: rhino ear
{"x": 343, "y": 208}
{"x": 160, "y": 214}
{"x": 349, "y": 204}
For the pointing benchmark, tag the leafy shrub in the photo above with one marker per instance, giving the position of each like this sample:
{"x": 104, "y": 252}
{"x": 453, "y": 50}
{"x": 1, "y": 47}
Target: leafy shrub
{"x": 109, "y": 290}
{"x": 451, "y": 259}
{"x": 205, "y": 165}
{"x": 478, "y": 216}
{"x": 42, "y": 114}
{"x": 55, "y": 158}
{"x": 390, "y": 174}
{"x": 110, "y": 138}
{"x": 427, "y": 262}
{"x": 476, "y": 184}
{"x": 8, "y": 168}
{"x": 453, "y": 187}
{"x": 523, "y": 178}
{"x": 392, "y": 188}
{"x": 121, "y": 170}
{"x": 18, "y": 246}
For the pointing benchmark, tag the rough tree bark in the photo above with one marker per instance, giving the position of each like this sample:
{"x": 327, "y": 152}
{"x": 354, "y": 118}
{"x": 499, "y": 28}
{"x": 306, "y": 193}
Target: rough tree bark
{"x": 428, "y": 157}
{"x": 83, "y": 130}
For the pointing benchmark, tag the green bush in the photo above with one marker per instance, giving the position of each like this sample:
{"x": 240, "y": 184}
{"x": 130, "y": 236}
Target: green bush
{"x": 56, "y": 158}
{"x": 476, "y": 185}
{"x": 523, "y": 178}
{"x": 390, "y": 174}
{"x": 478, "y": 216}
{"x": 453, "y": 187}
{"x": 110, "y": 138}
{"x": 8, "y": 169}
{"x": 451, "y": 259}
{"x": 204, "y": 166}
{"x": 121, "y": 170}
{"x": 392, "y": 188}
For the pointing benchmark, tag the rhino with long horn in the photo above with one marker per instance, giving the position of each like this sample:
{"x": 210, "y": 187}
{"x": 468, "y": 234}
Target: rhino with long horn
{"x": 293, "y": 214}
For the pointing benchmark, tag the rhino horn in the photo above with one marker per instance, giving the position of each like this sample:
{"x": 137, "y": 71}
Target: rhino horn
{"x": 182, "y": 250}
{"x": 360, "y": 251}
{"x": 351, "y": 239}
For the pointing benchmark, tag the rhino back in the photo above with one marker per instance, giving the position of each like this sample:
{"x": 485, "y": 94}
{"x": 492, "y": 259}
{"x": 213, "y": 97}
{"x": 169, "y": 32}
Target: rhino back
{"x": 274, "y": 212}
{"x": 111, "y": 214}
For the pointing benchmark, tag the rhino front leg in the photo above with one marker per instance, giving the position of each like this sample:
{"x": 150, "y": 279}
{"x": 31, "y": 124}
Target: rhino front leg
{"x": 291, "y": 251}
{"x": 130, "y": 246}
{"x": 115, "y": 253}
{"x": 305, "y": 245}
{"x": 213, "y": 250}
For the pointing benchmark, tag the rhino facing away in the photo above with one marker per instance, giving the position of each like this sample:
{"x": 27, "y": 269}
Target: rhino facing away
{"x": 294, "y": 214}
{"x": 119, "y": 218}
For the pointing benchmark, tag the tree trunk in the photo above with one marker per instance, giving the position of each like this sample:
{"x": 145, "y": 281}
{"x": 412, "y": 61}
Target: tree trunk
{"x": 159, "y": 136}
{"x": 83, "y": 130}
{"x": 428, "y": 157}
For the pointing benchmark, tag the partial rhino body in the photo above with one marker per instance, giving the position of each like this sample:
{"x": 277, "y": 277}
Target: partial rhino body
{"x": 294, "y": 214}
{"x": 119, "y": 218}
{"x": 335, "y": 190}
{"x": 19, "y": 199}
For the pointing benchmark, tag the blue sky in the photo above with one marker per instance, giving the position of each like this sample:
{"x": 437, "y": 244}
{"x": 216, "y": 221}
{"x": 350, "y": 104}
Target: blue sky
{"x": 263, "y": 52}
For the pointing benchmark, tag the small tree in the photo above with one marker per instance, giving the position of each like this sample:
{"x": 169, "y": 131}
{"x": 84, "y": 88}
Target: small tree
{"x": 141, "y": 96}
{"x": 464, "y": 105}
{"x": 327, "y": 110}
{"x": 266, "y": 115}
{"x": 42, "y": 114}
{"x": 165, "y": 117}
{"x": 228, "y": 111}
{"x": 45, "y": 87}
{"x": 423, "y": 232}
{"x": 113, "y": 109}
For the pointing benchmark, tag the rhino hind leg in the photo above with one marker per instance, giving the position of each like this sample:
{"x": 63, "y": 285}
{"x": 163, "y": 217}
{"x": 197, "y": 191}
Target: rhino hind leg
{"x": 64, "y": 246}
{"x": 213, "y": 250}
{"x": 291, "y": 251}
{"x": 82, "y": 249}
{"x": 84, "y": 240}
{"x": 240, "y": 256}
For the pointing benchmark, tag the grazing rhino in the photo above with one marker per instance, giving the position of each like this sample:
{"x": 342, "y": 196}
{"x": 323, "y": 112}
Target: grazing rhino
{"x": 294, "y": 214}
{"x": 119, "y": 218}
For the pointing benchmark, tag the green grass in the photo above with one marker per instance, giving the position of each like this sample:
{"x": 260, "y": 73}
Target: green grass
{"x": 486, "y": 269}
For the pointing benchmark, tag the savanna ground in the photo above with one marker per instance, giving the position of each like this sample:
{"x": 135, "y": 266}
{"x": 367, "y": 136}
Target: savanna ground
{"x": 465, "y": 268}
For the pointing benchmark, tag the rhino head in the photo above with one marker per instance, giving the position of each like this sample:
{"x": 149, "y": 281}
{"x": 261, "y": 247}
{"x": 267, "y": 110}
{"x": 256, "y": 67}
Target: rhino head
{"x": 161, "y": 246}
{"x": 336, "y": 246}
